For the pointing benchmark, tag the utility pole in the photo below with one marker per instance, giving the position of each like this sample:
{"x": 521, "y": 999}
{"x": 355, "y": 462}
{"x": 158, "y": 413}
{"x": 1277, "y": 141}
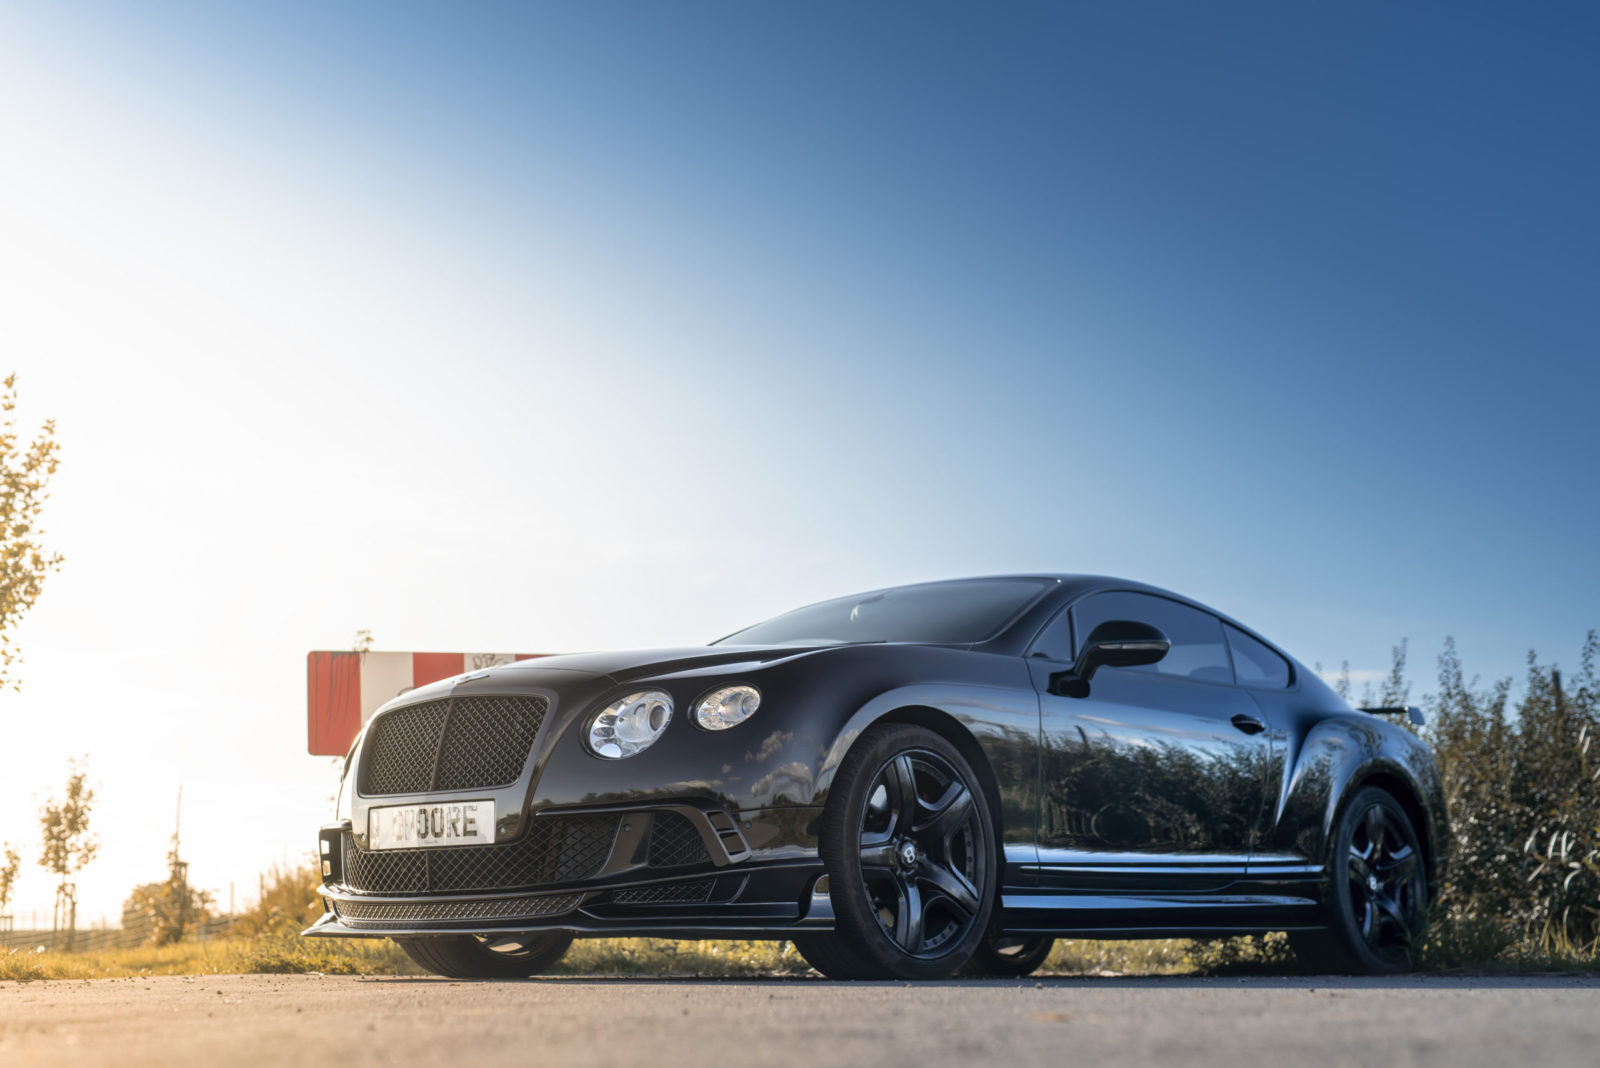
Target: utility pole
{"x": 180, "y": 868}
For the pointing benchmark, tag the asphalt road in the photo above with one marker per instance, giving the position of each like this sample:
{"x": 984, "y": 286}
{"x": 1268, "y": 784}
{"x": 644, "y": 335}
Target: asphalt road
{"x": 303, "y": 1020}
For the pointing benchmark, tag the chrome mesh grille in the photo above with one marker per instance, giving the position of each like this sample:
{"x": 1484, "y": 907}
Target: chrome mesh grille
{"x": 549, "y": 905}
{"x": 461, "y": 743}
{"x": 674, "y": 842}
{"x": 555, "y": 850}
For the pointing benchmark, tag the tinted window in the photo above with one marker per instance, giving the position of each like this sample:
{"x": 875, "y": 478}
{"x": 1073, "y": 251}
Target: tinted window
{"x": 1056, "y": 641}
{"x": 1198, "y": 650}
{"x": 955, "y": 613}
{"x": 1254, "y": 663}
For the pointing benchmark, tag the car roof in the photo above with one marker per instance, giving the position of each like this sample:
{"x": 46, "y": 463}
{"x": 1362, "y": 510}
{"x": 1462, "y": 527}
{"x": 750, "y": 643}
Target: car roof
{"x": 1075, "y": 585}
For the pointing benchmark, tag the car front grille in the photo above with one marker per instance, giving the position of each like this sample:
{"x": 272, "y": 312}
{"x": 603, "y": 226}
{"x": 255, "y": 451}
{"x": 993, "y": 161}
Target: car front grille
{"x": 555, "y": 850}
{"x": 459, "y": 743}
{"x": 444, "y": 911}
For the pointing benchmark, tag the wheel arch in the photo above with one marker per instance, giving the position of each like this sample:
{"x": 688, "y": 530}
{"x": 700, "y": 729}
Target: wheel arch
{"x": 951, "y": 730}
{"x": 941, "y": 722}
{"x": 1393, "y": 782}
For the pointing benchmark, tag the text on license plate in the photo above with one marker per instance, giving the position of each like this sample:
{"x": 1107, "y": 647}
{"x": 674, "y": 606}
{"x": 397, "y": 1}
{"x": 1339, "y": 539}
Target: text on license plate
{"x": 430, "y": 824}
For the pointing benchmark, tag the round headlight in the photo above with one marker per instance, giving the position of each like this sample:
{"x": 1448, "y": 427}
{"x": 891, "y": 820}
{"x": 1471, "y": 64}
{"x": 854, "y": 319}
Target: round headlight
{"x": 630, "y": 725}
{"x": 727, "y": 707}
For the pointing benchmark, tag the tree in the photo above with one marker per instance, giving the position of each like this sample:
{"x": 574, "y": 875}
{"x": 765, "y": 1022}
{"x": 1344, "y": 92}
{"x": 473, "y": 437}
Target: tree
{"x": 68, "y": 845}
{"x": 24, "y": 478}
{"x": 8, "y": 878}
{"x": 168, "y": 910}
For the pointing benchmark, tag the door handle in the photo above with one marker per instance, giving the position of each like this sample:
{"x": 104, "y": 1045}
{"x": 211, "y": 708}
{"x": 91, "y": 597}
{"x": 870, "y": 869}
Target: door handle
{"x": 1248, "y": 723}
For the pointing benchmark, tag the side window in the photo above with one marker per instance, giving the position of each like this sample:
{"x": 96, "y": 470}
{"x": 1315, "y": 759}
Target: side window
{"x": 1056, "y": 641}
{"x": 1198, "y": 648}
{"x": 1254, "y": 663}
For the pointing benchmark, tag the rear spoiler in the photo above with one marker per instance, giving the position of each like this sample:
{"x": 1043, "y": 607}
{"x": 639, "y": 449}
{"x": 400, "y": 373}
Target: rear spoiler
{"x": 1411, "y": 712}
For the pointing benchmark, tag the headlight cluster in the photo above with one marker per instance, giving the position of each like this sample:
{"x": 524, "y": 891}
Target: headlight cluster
{"x": 632, "y": 724}
{"x": 727, "y": 707}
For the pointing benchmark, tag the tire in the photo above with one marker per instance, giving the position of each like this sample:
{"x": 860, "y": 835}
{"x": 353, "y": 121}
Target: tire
{"x": 908, "y": 841}
{"x": 1377, "y": 892}
{"x": 1009, "y": 958}
{"x": 512, "y": 956}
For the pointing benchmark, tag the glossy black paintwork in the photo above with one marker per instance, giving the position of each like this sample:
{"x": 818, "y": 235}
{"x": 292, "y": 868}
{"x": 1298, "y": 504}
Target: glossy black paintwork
{"x": 1139, "y": 806}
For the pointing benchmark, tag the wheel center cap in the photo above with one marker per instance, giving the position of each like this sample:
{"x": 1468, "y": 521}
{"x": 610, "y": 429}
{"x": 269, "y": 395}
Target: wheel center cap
{"x": 1372, "y": 883}
{"x": 908, "y": 854}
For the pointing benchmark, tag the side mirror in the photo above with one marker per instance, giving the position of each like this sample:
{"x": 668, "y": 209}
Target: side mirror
{"x": 1114, "y": 643}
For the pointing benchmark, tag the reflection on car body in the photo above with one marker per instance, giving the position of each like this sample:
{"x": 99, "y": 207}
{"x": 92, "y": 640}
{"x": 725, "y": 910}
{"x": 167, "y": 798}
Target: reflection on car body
{"x": 905, "y": 783}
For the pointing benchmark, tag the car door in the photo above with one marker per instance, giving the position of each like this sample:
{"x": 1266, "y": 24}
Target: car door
{"x": 1155, "y": 777}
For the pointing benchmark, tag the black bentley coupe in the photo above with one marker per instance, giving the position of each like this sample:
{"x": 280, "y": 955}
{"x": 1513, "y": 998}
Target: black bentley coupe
{"x": 905, "y": 783}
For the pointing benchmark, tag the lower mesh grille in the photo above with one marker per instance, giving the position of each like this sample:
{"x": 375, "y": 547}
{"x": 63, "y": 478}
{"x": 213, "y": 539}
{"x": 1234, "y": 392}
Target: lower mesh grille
{"x": 555, "y": 850}
{"x": 373, "y": 911}
{"x": 666, "y": 894}
{"x": 674, "y": 842}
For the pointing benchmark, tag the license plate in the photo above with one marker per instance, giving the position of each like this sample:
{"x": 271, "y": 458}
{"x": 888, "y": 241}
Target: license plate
{"x": 447, "y": 823}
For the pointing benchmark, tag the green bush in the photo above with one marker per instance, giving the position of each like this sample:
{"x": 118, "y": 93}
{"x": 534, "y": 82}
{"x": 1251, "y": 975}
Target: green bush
{"x": 1524, "y": 808}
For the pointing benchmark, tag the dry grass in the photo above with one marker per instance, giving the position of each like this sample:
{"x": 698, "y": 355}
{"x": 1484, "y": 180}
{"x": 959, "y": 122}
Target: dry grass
{"x": 231, "y": 956}
{"x": 614, "y": 956}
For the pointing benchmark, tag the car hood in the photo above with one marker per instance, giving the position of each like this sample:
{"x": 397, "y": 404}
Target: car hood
{"x": 624, "y": 667}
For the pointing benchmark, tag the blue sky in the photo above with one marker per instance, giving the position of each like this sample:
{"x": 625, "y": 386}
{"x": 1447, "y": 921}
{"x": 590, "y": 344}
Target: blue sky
{"x": 573, "y": 325}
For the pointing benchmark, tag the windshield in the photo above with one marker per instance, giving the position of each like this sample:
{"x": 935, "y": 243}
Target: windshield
{"x": 946, "y": 613}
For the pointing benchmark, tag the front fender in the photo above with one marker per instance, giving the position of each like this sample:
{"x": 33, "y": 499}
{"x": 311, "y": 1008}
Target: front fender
{"x": 1002, "y": 723}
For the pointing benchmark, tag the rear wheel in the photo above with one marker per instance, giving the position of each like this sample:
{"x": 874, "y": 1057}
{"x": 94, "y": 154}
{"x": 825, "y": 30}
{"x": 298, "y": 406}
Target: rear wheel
{"x": 908, "y": 842}
{"x": 508, "y": 956}
{"x": 1377, "y": 892}
{"x": 1009, "y": 958}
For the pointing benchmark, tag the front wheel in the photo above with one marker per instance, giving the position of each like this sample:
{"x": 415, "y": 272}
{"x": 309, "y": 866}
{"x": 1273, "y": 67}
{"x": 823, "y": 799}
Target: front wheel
{"x": 510, "y": 956}
{"x": 1377, "y": 892}
{"x": 908, "y": 842}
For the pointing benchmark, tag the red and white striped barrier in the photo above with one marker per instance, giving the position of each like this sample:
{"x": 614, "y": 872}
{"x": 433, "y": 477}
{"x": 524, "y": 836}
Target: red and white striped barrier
{"x": 345, "y": 688}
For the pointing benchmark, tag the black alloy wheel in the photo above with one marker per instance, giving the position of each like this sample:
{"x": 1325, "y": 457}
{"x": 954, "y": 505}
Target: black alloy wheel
{"x": 507, "y": 956}
{"x": 908, "y": 842}
{"x": 1377, "y": 892}
{"x": 1004, "y": 957}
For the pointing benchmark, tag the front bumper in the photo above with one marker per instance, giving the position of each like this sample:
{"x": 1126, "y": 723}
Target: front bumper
{"x": 684, "y": 869}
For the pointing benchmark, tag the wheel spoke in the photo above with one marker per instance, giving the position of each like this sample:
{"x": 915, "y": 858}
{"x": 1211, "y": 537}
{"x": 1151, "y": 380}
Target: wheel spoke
{"x": 901, "y": 780}
{"x": 908, "y": 916}
{"x": 1358, "y": 865}
{"x": 877, "y": 851}
{"x": 1400, "y": 868}
{"x": 948, "y": 814}
{"x": 950, "y": 884}
{"x": 1376, "y": 826}
{"x": 1369, "y": 917}
{"x": 1389, "y": 908}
